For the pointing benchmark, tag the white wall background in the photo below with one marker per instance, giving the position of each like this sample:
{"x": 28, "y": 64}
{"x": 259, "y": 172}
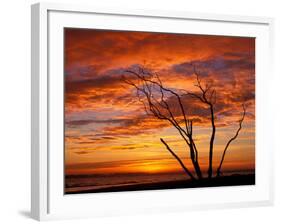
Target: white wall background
{"x": 15, "y": 111}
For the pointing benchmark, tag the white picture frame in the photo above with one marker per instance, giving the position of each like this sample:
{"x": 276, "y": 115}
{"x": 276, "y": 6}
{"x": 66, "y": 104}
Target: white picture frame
{"x": 47, "y": 198}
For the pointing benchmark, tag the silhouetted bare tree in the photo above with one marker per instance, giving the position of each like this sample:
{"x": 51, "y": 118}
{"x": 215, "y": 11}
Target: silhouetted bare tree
{"x": 155, "y": 98}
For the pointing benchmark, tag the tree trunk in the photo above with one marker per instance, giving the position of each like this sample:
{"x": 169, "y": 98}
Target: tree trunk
{"x": 195, "y": 162}
{"x": 210, "y": 170}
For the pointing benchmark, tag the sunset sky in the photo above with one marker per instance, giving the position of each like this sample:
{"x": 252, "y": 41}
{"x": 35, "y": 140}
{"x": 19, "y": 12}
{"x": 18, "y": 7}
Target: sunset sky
{"x": 107, "y": 129}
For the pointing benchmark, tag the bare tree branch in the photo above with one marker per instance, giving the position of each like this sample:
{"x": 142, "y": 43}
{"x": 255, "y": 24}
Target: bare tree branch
{"x": 172, "y": 120}
{"x": 146, "y": 78}
{"x": 178, "y": 159}
{"x": 231, "y": 140}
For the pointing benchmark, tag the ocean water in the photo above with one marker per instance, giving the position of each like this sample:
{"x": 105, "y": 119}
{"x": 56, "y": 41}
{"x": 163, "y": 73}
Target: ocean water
{"x": 86, "y": 182}
{"x": 77, "y": 183}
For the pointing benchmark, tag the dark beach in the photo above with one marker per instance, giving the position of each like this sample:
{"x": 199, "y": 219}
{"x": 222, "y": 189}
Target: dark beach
{"x": 233, "y": 180}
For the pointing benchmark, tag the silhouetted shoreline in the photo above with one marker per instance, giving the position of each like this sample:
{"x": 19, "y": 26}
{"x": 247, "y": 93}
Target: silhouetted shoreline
{"x": 233, "y": 180}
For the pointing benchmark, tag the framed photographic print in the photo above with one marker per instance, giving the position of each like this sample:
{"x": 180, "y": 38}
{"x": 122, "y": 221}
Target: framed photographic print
{"x": 138, "y": 111}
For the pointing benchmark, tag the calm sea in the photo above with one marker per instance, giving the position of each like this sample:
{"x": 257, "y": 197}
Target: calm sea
{"x": 76, "y": 183}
